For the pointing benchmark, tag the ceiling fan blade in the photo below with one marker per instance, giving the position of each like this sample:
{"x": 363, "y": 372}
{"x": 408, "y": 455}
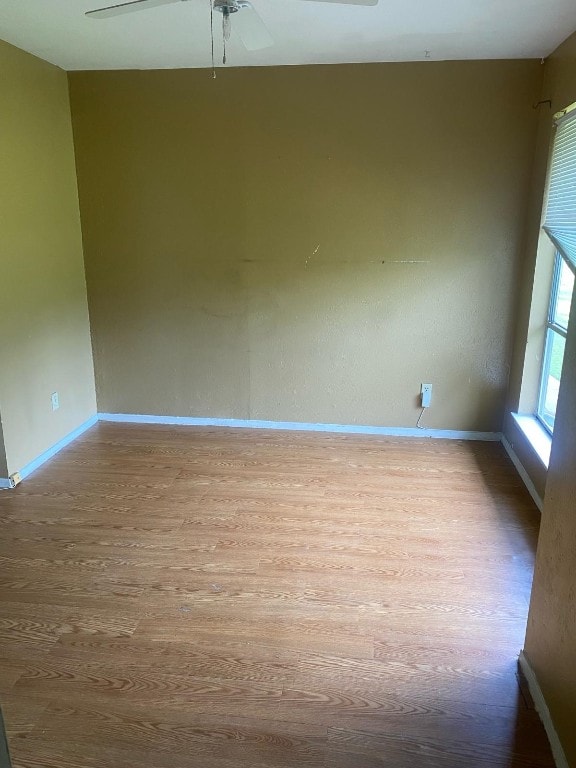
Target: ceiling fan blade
{"x": 251, "y": 29}
{"x": 134, "y": 5}
{"x": 348, "y": 2}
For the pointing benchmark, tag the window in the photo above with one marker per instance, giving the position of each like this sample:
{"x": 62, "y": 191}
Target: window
{"x": 557, "y": 327}
{"x": 560, "y": 226}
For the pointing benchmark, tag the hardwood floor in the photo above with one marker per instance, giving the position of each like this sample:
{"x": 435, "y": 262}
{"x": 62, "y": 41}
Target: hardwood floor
{"x": 178, "y": 598}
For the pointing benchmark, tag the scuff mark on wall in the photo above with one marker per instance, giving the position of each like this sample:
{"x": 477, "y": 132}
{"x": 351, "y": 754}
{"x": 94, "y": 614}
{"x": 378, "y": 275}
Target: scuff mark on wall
{"x": 314, "y": 252}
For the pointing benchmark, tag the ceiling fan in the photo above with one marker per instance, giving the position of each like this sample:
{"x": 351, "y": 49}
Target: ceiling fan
{"x": 247, "y": 23}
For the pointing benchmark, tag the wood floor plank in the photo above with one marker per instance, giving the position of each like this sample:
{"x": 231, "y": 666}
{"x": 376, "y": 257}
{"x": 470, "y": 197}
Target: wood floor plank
{"x": 21, "y": 715}
{"x": 341, "y": 637}
{"x": 437, "y": 750}
{"x": 232, "y": 662}
{"x": 177, "y": 597}
{"x": 229, "y": 738}
{"x": 111, "y": 618}
{"x": 169, "y": 687}
{"x": 44, "y": 753}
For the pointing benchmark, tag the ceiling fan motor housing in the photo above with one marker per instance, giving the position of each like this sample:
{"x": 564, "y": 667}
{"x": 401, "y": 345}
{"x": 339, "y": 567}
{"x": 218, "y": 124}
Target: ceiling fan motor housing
{"x": 230, "y": 6}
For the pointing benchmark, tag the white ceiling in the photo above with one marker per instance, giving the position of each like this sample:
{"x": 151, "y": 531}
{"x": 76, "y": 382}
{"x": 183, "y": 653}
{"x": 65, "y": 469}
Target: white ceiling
{"x": 178, "y": 35}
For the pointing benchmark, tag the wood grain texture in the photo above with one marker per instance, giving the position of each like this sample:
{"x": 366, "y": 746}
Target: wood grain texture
{"x": 232, "y": 599}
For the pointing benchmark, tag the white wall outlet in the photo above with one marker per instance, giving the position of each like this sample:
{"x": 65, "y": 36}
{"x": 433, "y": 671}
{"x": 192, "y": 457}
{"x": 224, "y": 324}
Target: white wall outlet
{"x": 426, "y": 392}
{"x": 55, "y": 401}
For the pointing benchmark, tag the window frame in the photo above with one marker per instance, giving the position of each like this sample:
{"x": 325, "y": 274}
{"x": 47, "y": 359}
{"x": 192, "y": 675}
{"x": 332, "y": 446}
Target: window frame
{"x": 552, "y": 327}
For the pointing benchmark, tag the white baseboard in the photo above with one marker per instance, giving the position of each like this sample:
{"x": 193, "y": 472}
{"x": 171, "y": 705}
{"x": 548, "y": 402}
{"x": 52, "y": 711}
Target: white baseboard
{"x": 52, "y": 451}
{"x": 542, "y": 709}
{"x": 352, "y": 429}
{"x": 523, "y": 474}
{"x": 192, "y": 421}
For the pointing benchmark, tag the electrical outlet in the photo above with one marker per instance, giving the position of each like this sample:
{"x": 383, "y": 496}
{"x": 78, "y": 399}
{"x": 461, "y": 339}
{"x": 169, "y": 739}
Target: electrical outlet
{"x": 55, "y": 401}
{"x": 14, "y": 479}
{"x": 426, "y": 392}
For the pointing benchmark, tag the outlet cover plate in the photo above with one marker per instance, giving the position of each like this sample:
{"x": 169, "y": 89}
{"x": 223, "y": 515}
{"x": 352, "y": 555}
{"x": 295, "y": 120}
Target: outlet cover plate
{"x": 426, "y": 392}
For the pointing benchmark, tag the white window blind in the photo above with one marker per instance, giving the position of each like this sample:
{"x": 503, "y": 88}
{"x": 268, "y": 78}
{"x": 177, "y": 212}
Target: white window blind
{"x": 560, "y": 219}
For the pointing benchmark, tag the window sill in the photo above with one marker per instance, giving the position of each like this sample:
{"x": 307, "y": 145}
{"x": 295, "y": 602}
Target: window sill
{"x": 537, "y": 436}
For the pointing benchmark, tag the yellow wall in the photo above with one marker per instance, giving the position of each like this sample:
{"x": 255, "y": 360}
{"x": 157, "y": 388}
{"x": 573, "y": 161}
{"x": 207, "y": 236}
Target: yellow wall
{"x": 305, "y": 243}
{"x": 551, "y": 636}
{"x": 44, "y": 331}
